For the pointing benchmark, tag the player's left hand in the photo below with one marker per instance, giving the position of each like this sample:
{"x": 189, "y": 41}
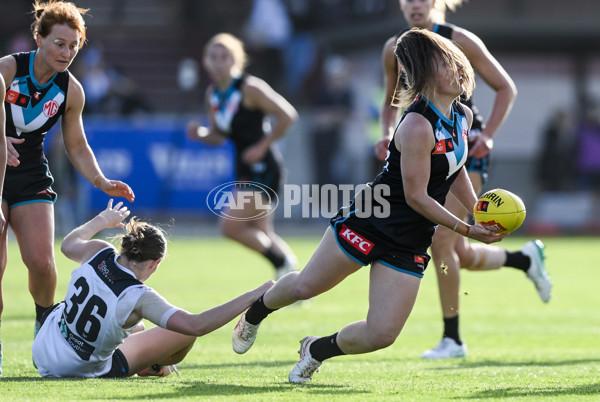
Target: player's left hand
{"x": 482, "y": 145}
{"x": 116, "y": 188}
{"x": 255, "y": 153}
{"x": 12, "y": 156}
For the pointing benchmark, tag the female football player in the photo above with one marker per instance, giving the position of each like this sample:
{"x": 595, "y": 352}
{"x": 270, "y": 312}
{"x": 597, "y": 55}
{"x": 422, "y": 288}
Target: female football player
{"x": 96, "y": 331}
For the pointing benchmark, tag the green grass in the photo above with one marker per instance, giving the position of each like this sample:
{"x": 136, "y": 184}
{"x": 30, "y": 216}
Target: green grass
{"x": 519, "y": 348}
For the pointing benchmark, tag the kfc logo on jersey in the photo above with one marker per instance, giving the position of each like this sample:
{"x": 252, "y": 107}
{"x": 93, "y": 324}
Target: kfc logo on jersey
{"x": 356, "y": 241}
{"x": 465, "y": 135}
{"x": 50, "y": 108}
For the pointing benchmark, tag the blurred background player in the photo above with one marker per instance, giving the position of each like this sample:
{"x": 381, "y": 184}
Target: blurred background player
{"x": 237, "y": 106}
{"x": 448, "y": 248}
{"x": 417, "y": 179}
{"x": 97, "y": 331}
{"x": 40, "y": 90}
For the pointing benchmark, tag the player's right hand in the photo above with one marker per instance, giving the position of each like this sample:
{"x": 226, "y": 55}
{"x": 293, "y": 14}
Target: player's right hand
{"x": 114, "y": 216}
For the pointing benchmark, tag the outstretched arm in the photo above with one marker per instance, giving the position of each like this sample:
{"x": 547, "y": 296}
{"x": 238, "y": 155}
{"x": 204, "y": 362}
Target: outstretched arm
{"x": 78, "y": 149}
{"x": 77, "y": 245}
{"x": 209, "y": 320}
{"x": 415, "y": 141}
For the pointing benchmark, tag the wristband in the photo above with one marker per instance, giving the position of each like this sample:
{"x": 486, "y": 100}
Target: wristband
{"x": 468, "y": 230}
{"x": 455, "y": 225}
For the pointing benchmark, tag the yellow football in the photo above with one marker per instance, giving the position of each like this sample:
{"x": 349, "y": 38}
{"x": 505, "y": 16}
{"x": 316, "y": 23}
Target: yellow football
{"x": 500, "y": 211}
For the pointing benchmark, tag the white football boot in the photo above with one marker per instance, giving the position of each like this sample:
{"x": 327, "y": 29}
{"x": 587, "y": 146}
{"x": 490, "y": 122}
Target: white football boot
{"x": 537, "y": 273}
{"x": 244, "y": 335}
{"x": 306, "y": 367}
{"x": 446, "y": 349}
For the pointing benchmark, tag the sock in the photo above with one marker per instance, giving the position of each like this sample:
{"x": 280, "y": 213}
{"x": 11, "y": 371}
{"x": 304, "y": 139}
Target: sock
{"x": 517, "y": 259}
{"x": 276, "y": 259}
{"x": 258, "y": 312}
{"x": 325, "y": 347}
{"x": 451, "y": 329}
{"x": 39, "y": 312}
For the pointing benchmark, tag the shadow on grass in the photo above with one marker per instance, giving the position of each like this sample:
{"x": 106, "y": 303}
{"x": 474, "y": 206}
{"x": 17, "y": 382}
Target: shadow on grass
{"x": 206, "y": 389}
{"x": 183, "y": 389}
{"x": 538, "y": 392}
{"x": 241, "y": 364}
{"x": 529, "y": 363}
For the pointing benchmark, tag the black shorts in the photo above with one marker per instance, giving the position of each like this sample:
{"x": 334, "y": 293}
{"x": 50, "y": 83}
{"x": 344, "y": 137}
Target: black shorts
{"x": 365, "y": 244}
{"x": 24, "y": 185}
{"x": 268, "y": 172}
{"x": 120, "y": 367}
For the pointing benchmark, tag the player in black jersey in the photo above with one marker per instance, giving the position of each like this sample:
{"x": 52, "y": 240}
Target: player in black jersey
{"x": 237, "y": 106}
{"x": 448, "y": 248}
{"x": 426, "y": 156}
{"x": 39, "y": 91}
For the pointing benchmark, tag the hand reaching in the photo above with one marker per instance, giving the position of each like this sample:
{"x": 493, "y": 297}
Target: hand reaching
{"x": 114, "y": 188}
{"x": 113, "y": 217}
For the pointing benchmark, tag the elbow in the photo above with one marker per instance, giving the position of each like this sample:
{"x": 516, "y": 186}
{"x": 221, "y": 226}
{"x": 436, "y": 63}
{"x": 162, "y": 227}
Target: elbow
{"x": 201, "y": 330}
{"x": 513, "y": 91}
{"x": 413, "y": 202}
{"x": 292, "y": 117}
{"x": 65, "y": 248}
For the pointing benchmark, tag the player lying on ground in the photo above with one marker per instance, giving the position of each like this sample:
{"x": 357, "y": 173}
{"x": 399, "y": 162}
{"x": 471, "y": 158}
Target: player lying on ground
{"x": 97, "y": 331}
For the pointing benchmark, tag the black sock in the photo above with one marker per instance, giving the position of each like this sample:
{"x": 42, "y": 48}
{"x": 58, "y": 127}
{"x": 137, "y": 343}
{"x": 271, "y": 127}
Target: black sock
{"x": 325, "y": 347}
{"x": 451, "y": 329}
{"x": 276, "y": 259}
{"x": 516, "y": 259}
{"x": 39, "y": 312}
{"x": 258, "y": 312}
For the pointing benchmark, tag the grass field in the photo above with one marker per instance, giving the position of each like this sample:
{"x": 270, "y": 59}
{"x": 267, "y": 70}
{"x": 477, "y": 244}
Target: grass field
{"x": 519, "y": 348}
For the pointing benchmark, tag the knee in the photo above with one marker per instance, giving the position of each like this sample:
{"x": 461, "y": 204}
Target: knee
{"x": 40, "y": 264}
{"x": 441, "y": 247}
{"x": 382, "y": 339}
{"x": 302, "y": 291}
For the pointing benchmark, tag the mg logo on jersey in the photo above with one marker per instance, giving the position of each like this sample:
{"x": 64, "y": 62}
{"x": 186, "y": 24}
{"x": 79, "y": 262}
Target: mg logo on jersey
{"x": 229, "y": 199}
{"x": 356, "y": 241}
{"x": 50, "y": 108}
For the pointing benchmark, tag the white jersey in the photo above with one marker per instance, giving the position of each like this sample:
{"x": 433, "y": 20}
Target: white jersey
{"x": 79, "y": 337}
